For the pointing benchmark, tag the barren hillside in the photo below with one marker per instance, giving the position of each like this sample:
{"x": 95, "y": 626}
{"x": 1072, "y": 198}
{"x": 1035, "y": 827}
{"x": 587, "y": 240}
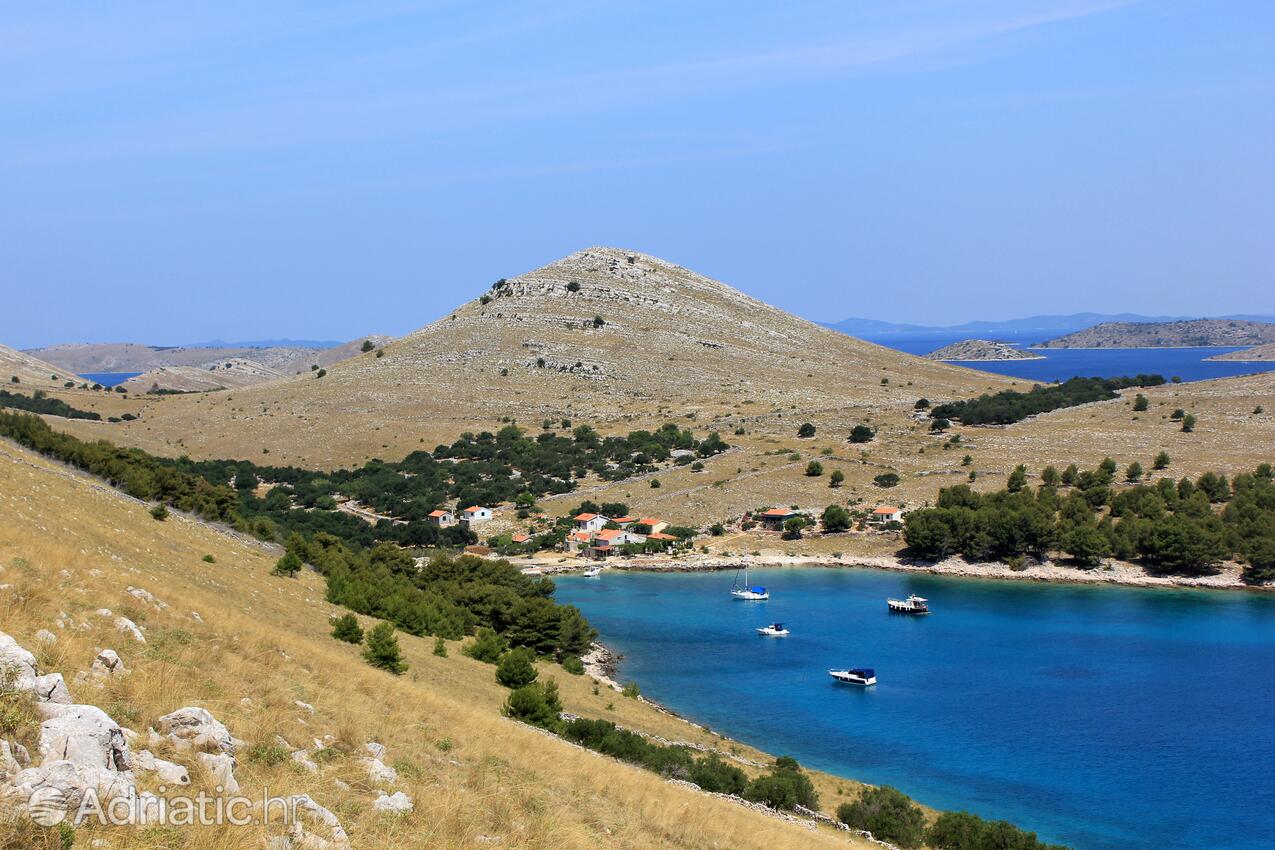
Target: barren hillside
{"x": 136, "y": 357}
{"x": 31, "y": 372}
{"x": 1257, "y": 354}
{"x": 225, "y": 374}
{"x": 603, "y": 336}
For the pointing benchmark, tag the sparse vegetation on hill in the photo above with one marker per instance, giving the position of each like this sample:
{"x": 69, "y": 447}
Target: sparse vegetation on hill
{"x": 256, "y": 653}
{"x": 449, "y": 598}
{"x": 1011, "y": 406}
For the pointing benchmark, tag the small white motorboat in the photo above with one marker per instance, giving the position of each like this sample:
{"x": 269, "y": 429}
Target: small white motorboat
{"x": 773, "y": 630}
{"x": 863, "y": 676}
{"x": 912, "y": 605}
{"x": 593, "y": 572}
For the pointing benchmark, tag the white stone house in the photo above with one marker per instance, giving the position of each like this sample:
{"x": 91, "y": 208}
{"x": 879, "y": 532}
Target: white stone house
{"x": 442, "y": 518}
{"x": 475, "y": 515}
{"x": 590, "y": 522}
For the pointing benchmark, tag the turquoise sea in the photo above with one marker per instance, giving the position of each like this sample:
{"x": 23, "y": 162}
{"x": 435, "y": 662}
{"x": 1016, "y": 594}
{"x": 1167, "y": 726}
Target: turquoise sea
{"x": 1105, "y": 718}
{"x": 1059, "y": 364}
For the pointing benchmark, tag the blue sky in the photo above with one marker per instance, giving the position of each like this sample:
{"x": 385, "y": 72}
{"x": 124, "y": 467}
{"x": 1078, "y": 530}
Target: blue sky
{"x": 239, "y": 170}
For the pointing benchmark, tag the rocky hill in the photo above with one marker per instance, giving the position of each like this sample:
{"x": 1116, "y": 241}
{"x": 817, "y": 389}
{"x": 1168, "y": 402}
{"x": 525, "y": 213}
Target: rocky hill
{"x": 1184, "y": 334}
{"x": 1256, "y": 354}
{"x": 135, "y": 357}
{"x": 981, "y": 349}
{"x": 224, "y": 374}
{"x": 605, "y": 336}
{"x": 31, "y": 371}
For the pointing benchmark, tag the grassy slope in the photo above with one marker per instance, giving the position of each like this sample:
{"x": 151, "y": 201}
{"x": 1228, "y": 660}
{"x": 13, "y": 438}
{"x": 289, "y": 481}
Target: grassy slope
{"x": 32, "y": 373}
{"x": 68, "y": 543}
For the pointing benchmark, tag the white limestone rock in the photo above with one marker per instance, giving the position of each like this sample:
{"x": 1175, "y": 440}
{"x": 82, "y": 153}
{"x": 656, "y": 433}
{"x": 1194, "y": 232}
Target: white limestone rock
{"x": 379, "y": 771}
{"x": 221, "y": 766}
{"x": 195, "y": 728}
{"x": 124, "y": 624}
{"x": 170, "y": 773}
{"x": 396, "y": 803}
{"x": 108, "y": 663}
{"x": 324, "y": 832}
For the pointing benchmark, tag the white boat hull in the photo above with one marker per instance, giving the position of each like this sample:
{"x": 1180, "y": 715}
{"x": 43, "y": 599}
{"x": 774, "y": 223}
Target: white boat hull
{"x": 772, "y": 633}
{"x": 850, "y": 677}
{"x": 749, "y": 595}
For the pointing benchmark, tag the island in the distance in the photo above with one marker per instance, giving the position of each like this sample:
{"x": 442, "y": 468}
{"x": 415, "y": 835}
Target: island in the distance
{"x": 981, "y": 349}
{"x": 1257, "y": 354}
{"x": 1190, "y": 333}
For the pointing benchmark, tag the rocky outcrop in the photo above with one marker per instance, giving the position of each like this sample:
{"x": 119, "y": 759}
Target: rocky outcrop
{"x": 170, "y": 773}
{"x": 981, "y": 349}
{"x": 195, "y": 728}
{"x": 19, "y": 667}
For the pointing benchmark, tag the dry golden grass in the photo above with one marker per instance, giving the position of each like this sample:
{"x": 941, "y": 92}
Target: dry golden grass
{"x": 69, "y": 544}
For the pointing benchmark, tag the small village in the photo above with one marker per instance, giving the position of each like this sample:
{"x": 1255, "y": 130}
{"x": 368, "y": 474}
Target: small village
{"x": 591, "y": 536}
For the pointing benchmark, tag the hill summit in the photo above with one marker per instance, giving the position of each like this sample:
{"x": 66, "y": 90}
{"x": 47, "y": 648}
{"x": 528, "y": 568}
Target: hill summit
{"x": 604, "y": 335}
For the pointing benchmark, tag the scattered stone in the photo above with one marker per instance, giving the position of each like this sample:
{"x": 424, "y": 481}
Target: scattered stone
{"x": 305, "y": 706}
{"x": 46, "y": 637}
{"x": 396, "y": 803}
{"x": 124, "y": 624}
{"x": 302, "y": 758}
{"x": 108, "y": 663}
{"x": 334, "y": 836}
{"x": 375, "y": 750}
{"x": 379, "y": 771}
{"x": 145, "y": 596}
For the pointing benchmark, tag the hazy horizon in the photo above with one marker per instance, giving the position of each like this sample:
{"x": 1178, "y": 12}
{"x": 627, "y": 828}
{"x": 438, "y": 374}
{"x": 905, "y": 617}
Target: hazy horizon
{"x": 202, "y": 172}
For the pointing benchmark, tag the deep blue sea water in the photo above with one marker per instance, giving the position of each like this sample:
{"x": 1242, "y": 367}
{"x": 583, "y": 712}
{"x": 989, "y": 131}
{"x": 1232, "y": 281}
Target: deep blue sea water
{"x": 1060, "y": 364}
{"x": 109, "y": 379}
{"x": 1105, "y": 718}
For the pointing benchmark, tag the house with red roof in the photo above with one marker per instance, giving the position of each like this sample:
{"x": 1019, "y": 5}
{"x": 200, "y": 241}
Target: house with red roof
{"x": 775, "y": 518}
{"x": 590, "y": 522}
{"x": 475, "y": 515}
{"x": 887, "y": 513}
{"x": 441, "y": 518}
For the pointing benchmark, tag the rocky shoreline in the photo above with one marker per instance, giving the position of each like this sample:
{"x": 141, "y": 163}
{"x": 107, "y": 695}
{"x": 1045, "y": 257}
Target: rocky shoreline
{"x": 1111, "y": 572}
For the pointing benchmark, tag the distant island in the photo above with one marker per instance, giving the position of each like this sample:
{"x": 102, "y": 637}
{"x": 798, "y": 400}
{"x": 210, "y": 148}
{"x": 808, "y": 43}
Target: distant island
{"x": 1191, "y": 333}
{"x": 1045, "y": 325}
{"x": 981, "y": 349}
{"x": 1257, "y": 354}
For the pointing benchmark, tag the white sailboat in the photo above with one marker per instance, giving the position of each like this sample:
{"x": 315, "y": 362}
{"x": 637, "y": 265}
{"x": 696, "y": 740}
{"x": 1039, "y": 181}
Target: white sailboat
{"x": 747, "y": 591}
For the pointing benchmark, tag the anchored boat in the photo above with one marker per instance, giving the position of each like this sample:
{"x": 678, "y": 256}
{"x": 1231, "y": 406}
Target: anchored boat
{"x": 863, "y": 676}
{"x": 746, "y": 591}
{"x": 593, "y": 572}
{"x": 773, "y": 630}
{"x": 912, "y": 605}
